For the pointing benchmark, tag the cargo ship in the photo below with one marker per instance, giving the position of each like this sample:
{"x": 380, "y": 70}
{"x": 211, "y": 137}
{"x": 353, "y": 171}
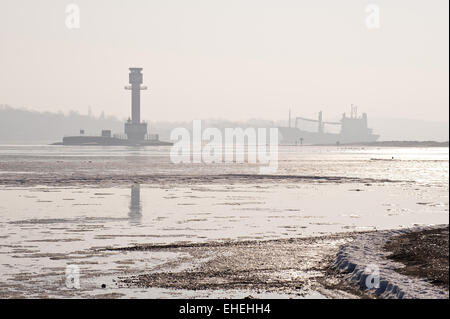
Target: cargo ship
{"x": 352, "y": 129}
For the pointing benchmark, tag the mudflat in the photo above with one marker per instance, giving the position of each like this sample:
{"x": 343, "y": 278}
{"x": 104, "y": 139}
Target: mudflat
{"x": 425, "y": 254}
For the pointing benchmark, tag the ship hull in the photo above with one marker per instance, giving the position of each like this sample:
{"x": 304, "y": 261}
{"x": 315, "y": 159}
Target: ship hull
{"x": 289, "y": 135}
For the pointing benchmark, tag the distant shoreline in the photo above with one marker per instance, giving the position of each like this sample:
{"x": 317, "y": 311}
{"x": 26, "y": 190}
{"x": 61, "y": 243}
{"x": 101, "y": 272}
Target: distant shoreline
{"x": 375, "y": 144}
{"x": 400, "y": 144}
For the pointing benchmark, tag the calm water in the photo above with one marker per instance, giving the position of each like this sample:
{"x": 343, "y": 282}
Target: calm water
{"x": 225, "y": 207}
{"x": 427, "y": 165}
{"x": 42, "y": 227}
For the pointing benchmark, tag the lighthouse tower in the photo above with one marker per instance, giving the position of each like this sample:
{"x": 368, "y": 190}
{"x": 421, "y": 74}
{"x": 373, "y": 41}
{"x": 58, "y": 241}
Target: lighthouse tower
{"x": 134, "y": 129}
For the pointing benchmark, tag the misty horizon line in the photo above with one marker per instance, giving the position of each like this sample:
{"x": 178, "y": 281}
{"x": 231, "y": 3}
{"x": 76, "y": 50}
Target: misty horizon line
{"x": 104, "y": 115}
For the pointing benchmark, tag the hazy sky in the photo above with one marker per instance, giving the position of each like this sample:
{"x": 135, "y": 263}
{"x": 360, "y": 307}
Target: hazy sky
{"x": 235, "y": 59}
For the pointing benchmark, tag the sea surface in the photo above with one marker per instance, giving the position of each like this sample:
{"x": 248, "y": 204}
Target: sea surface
{"x": 58, "y": 204}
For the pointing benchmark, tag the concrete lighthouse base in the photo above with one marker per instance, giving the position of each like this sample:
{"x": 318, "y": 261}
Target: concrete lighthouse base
{"x": 135, "y": 131}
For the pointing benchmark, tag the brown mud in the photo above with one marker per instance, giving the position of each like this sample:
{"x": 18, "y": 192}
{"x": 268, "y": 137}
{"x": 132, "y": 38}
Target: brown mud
{"x": 425, "y": 254}
{"x": 293, "y": 266}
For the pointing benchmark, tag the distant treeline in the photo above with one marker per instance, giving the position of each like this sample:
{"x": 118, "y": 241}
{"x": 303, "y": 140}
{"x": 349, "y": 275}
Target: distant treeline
{"x": 21, "y": 125}
{"x": 26, "y": 126}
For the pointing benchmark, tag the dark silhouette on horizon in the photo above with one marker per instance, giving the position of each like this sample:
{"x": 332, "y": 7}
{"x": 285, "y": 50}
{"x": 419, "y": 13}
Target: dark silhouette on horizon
{"x": 19, "y": 125}
{"x": 135, "y": 130}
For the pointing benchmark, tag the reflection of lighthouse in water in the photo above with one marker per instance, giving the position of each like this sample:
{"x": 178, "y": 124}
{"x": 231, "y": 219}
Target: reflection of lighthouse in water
{"x": 135, "y": 213}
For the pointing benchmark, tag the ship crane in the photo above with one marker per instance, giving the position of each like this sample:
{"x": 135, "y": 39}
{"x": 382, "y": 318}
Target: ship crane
{"x": 352, "y": 129}
{"x": 321, "y": 123}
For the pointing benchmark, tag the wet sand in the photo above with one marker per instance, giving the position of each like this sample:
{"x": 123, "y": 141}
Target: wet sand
{"x": 424, "y": 254}
{"x": 292, "y": 266}
{"x": 368, "y": 263}
{"x": 108, "y": 180}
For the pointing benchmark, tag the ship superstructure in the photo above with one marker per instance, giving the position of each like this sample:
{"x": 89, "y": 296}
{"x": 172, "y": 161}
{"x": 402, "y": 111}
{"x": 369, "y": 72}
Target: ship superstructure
{"x": 353, "y": 129}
